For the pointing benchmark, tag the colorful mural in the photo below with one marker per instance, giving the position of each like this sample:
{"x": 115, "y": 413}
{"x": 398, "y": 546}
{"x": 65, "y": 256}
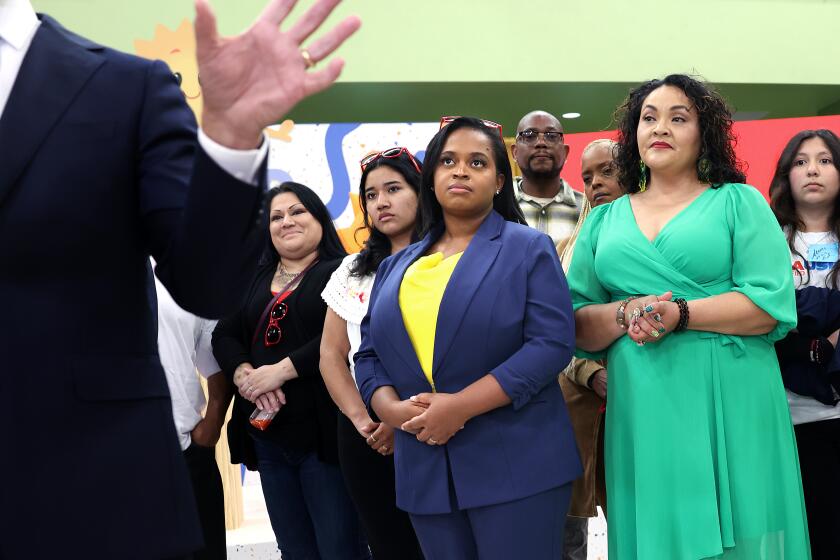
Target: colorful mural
{"x": 325, "y": 156}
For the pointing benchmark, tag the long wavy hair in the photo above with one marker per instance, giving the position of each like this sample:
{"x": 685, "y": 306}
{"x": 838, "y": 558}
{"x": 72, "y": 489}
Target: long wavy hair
{"x": 378, "y": 247}
{"x": 329, "y": 248}
{"x": 716, "y": 137}
{"x": 431, "y": 213}
{"x": 781, "y": 196}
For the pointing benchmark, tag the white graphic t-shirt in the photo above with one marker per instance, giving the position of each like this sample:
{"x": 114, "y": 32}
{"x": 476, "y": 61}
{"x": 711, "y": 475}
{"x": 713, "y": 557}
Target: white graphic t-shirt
{"x": 818, "y": 251}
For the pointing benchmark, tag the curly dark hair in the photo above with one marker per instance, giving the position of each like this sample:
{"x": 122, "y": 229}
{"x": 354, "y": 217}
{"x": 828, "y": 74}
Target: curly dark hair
{"x": 717, "y": 139}
{"x": 781, "y": 197}
{"x": 378, "y": 245}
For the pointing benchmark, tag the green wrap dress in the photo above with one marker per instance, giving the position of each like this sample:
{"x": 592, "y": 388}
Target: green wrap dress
{"x": 701, "y": 458}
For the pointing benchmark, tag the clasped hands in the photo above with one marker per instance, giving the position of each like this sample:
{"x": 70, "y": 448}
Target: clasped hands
{"x": 651, "y": 318}
{"x": 262, "y": 385}
{"x": 432, "y": 417}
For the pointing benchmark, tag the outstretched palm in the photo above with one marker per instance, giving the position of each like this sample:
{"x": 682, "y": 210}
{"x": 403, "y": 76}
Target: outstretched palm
{"x": 254, "y": 79}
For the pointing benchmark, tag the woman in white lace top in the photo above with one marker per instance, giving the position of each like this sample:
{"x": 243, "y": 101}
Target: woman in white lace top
{"x": 388, "y": 192}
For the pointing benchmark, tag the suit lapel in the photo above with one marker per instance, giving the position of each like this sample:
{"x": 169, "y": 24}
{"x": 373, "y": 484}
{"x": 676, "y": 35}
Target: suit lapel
{"x": 464, "y": 282}
{"x": 54, "y": 70}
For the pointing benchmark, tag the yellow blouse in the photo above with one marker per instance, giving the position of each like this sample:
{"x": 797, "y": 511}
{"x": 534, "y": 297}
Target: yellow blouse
{"x": 420, "y": 294}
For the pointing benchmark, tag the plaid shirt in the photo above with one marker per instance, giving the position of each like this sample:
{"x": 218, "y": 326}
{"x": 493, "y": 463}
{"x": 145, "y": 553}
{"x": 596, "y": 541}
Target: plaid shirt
{"x": 558, "y": 217}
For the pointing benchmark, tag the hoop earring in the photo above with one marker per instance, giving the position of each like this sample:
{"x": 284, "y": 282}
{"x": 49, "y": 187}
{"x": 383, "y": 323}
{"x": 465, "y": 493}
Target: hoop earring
{"x": 642, "y": 176}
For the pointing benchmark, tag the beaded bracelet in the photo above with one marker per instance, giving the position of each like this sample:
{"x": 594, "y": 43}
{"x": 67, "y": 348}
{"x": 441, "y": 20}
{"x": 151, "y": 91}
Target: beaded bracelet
{"x": 683, "y": 323}
{"x": 619, "y": 313}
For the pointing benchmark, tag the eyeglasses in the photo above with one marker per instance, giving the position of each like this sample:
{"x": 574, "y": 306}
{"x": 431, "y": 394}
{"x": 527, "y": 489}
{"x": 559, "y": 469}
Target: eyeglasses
{"x": 273, "y": 334}
{"x": 390, "y": 154}
{"x": 444, "y": 121}
{"x": 530, "y": 136}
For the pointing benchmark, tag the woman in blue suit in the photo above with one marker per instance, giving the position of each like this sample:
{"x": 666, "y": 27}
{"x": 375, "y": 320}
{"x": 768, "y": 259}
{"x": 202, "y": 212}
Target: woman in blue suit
{"x": 466, "y": 333}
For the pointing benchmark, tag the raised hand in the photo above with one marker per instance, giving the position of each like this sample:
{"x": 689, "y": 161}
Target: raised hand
{"x": 254, "y": 79}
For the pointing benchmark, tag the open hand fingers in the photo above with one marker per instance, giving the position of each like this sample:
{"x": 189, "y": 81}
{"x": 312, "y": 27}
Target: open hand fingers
{"x": 312, "y": 19}
{"x": 334, "y": 38}
{"x": 206, "y": 33}
{"x": 319, "y": 80}
{"x": 276, "y": 11}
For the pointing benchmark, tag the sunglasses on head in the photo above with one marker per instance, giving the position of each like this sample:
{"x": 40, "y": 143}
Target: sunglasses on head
{"x": 390, "y": 154}
{"x": 273, "y": 334}
{"x": 444, "y": 121}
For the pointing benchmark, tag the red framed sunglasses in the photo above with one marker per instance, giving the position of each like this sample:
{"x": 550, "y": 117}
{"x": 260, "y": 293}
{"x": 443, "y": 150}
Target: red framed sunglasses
{"x": 390, "y": 153}
{"x": 273, "y": 333}
{"x": 489, "y": 124}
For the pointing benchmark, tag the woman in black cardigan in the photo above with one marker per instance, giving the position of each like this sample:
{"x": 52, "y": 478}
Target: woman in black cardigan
{"x": 270, "y": 350}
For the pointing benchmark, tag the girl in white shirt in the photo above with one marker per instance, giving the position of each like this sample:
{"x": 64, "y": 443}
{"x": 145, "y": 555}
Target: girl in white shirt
{"x": 388, "y": 193}
{"x": 804, "y": 195}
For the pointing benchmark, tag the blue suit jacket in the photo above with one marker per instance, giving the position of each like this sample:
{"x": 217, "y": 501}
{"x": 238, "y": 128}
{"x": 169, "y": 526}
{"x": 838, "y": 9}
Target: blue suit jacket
{"x": 98, "y": 159}
{"x": 505, "y": 311}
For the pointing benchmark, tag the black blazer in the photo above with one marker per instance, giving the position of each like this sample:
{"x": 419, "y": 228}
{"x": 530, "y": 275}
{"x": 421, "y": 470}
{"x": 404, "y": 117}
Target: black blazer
{"x": 99, "y": 168}
{"x": 306, "y": 396}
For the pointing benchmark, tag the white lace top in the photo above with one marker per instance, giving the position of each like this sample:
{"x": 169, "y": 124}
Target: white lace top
{"x": 348, "y": 297}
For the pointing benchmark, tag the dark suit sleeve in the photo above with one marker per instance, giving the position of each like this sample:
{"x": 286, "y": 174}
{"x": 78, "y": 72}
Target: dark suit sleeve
{"x": 549, "y": 328}
{"x": 370, "y": 373}
{"x": 199, "y": 222}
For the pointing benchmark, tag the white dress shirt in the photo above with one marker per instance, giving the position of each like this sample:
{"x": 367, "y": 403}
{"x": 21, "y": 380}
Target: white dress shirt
{"x": 18, "y": 24}
{"x": 184, "y": 346}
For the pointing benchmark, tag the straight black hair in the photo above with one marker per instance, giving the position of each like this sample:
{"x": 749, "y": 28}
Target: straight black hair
{"x": 330, "y": 246}
{"x": 378, "y": 246}
{"x": 431, "y": 213}
{"x": 781, "y": 197}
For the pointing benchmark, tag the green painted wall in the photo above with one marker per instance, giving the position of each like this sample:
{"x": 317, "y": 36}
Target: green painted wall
{"x": 727, "y": 41}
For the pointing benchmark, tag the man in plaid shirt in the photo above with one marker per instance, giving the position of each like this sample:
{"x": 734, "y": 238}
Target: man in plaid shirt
{"x": 548, "y": 202}
{"x": 551, "y": 206}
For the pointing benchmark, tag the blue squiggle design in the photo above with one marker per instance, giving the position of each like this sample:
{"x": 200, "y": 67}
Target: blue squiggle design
{"x": 278, "y": 176}
{"x": 335, "y": 160}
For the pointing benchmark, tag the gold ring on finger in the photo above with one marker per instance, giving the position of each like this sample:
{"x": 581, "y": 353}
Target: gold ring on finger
{"x": 307, "y": 58}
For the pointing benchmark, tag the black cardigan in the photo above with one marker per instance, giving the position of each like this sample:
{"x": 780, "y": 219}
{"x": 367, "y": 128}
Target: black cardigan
{"x": 308, "y": 421}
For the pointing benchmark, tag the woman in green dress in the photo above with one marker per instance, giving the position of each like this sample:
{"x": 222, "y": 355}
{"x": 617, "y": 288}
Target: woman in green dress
{"x": 685, "y": 285}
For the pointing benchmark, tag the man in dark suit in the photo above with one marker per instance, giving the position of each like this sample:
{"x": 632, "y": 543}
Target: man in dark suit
{"x": 100, "y": 166}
